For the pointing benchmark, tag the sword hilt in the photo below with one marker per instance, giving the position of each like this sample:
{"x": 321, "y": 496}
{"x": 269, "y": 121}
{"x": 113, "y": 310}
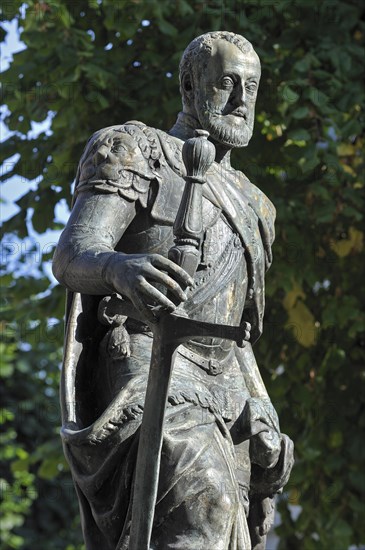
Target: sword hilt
{"x": 198, "y": 155}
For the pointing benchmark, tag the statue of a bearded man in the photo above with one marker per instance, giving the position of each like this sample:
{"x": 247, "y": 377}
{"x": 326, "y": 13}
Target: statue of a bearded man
{"x": 223, "y": 456}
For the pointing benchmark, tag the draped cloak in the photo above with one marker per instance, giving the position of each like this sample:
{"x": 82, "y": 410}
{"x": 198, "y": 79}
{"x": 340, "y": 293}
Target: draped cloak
{"x": 101, "y": 447}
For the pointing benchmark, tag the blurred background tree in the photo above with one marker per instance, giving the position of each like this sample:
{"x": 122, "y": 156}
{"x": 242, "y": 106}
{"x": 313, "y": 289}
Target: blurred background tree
{"x": 94, "y": 63}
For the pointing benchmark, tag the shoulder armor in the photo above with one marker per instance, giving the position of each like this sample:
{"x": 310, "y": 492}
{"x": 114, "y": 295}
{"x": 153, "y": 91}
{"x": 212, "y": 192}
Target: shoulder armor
{"x": 120, "y": 159}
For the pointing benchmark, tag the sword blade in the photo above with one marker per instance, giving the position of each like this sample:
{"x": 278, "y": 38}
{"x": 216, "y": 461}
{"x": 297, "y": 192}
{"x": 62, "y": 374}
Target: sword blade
{"x": 150, "y": 440}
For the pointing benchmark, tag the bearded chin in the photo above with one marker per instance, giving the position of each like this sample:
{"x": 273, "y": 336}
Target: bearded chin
{"x": 224, "y": 133}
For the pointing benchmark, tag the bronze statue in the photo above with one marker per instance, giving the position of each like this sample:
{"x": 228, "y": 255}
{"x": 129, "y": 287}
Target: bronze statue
{"x": 164, "y": 258}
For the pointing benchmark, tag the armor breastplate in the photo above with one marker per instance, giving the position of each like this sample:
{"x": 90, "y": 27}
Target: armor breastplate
{"x": 220, "y": 283}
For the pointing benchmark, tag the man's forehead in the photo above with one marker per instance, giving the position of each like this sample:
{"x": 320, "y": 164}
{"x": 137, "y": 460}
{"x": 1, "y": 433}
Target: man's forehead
{"x": 227, "y": 56}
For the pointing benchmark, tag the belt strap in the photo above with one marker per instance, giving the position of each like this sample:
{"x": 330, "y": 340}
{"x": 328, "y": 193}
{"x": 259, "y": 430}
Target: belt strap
{"x": 211, "y": 366}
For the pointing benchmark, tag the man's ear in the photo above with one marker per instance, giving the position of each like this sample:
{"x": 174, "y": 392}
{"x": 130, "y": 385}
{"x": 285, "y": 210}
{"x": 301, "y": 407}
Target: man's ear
{"x": 187, "y": 86}
{"x": 187, "y": 82}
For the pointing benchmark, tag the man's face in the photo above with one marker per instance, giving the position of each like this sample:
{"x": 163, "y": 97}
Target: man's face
{"x": 225, "y": 94}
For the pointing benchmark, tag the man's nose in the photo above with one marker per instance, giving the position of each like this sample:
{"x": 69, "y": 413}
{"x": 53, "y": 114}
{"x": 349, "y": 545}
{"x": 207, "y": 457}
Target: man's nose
{"x": 240, "y": 96}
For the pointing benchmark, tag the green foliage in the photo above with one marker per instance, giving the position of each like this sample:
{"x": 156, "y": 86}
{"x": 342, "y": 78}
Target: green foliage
{"x": 38, "y": 504}
{"x": 91, "y": 64}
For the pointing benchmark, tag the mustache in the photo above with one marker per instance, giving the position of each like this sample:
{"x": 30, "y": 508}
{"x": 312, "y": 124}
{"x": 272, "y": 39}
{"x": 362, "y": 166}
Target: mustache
{"x": 241, "y": 111}
{"x": 213, "y": 111}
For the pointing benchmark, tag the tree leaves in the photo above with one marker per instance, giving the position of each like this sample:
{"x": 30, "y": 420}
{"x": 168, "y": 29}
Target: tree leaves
{"x": 300, "y": 319}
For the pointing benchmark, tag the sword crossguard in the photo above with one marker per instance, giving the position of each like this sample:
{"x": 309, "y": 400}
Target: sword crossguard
{"x": 180, "y": 329}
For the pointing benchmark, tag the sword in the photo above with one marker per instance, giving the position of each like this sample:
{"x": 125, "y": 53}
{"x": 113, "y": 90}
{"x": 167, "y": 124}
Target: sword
{"x": 169, "y": 331}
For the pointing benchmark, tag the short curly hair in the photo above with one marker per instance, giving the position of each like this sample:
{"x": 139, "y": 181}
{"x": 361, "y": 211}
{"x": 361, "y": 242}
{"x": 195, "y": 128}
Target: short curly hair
{"x": 199, "y": 50}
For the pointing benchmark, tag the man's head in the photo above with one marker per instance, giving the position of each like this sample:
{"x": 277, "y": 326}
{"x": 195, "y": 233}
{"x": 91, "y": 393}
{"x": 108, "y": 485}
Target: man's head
{"x": 219, "y": 78}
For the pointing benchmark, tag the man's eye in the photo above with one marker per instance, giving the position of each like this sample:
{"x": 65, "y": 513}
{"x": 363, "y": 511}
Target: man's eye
{"x": 251, "y": 87}
{"x": 227, "y": 82}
